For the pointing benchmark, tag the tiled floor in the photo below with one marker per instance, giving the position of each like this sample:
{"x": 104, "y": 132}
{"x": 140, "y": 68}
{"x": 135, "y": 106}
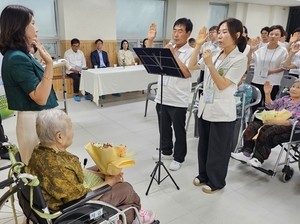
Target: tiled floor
{"x": 249, "y": 197}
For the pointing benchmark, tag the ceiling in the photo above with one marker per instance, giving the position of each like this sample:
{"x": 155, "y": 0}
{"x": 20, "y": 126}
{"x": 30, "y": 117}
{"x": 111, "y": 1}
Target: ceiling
{"x": 264, "y": 2}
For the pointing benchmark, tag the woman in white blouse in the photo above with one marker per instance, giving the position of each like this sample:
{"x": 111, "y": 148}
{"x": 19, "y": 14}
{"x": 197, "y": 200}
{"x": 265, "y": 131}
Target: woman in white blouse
{"x": 267, "y": 62}
{"x": 125, "y": 56}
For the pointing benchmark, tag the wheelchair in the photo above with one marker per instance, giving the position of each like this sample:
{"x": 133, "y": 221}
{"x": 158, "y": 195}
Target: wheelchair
{"x": 291, "y": 149}
{"x": 35, "y": 209}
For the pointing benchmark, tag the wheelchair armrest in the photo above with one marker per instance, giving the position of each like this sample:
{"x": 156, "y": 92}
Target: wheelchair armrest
{"x": 89, "y": 196}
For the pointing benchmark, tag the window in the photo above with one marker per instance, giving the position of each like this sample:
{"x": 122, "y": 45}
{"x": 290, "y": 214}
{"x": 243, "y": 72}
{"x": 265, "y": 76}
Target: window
{"x": 216, "y": 14}
{"x": 134, "y": 18}
{"x": 45, "y": 18}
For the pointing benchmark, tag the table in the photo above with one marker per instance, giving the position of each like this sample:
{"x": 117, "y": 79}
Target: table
{"x": 111, "y": 80}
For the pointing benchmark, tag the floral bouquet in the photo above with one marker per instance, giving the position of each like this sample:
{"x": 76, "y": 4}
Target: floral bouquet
{"x": 110, "y": 159}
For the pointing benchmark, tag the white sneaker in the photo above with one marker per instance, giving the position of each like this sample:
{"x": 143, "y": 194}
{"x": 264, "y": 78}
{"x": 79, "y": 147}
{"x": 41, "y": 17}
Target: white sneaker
{"x": 163, "y": 157}
{"x": 175, "y": 165}
{"x": 240, "y": 157}
{"x": 254, "y": 162}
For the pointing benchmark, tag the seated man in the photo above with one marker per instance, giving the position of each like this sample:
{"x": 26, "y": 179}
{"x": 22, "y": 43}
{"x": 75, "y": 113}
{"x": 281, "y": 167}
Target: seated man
{"x": 272, "y": 132}
{"x": 61, "y": 176}
{"x": 99, "y": 57}
{"x": 75, "y": 62}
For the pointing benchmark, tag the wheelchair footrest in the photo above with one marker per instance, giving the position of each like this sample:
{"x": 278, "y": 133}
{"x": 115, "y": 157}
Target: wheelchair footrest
{"x": 268, "y": 172}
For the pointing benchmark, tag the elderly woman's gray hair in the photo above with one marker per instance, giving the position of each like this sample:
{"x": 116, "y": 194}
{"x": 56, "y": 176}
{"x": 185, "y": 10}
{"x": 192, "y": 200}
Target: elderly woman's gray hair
{"x": 49, "y": 123}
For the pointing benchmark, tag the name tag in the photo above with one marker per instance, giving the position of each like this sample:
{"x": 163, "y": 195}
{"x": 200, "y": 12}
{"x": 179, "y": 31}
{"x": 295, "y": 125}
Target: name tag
{"x": 208, "y": 95}
{"x": 264, "y": 72}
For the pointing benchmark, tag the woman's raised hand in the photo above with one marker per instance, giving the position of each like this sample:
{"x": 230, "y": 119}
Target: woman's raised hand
{"x": 268, "y": 87}
{"x": 295, "y": 48}
{"x": 44, "y": 54}
{"x": 294, "y": 37}
{"x": 202, "y": 36}
{"x": 253, "y": 43}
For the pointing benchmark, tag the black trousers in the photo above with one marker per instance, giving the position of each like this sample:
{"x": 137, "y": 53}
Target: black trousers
{"x": 214, "y": 149}
{"x": 261, "y": 88}
{"x": 173, "y": 116}
{"x": 76, "y": 81}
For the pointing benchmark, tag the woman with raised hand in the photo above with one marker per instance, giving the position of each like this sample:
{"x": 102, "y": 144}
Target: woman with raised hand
{"x": 28, "y": 86}
{"x": 217, "y": 107}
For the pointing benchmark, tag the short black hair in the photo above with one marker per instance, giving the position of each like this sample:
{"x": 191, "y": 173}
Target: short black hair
{"x": 266, "y": 28}
{"x": 75, "y": 41}
{"x": 192, "y": 40}
{"x": 96, "y": 41}
{"x": 213, "y": 28}
{"x": 297, "y": 30}
{"x": 277, "y": 27}
{"x": 184, "y": 21}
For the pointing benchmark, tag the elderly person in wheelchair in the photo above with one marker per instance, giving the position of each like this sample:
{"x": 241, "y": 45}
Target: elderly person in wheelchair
{"x": 61, "y": 176}
{"x": 272, "y": 132}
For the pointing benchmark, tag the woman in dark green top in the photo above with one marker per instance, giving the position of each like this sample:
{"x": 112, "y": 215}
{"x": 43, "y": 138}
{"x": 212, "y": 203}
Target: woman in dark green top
{"x": 28, "y": 86}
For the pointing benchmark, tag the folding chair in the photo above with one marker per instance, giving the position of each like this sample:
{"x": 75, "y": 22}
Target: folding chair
{"x": 193, "y": 107}
{"x": 151, "y": 93}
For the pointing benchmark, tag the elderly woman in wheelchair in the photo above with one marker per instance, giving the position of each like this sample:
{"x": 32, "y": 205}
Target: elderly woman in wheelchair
{"x": 271, "y": 132}
{"x": 61, "y": 176}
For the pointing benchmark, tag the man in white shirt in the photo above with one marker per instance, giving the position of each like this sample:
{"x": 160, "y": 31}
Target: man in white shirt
{"x": 172, "y": 110}
{"x": 75, "y": 62}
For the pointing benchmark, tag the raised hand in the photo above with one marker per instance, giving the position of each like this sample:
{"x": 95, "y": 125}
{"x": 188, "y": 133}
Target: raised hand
{"x": 268, "y": 87}
{"x": 202, "y": 36}
{"x": 152, "y": 32}
{"x": 253, "y": 43}
{"x": 294, "y": 37}
{"x": 295, "y": 49}
{"x": 44, "y": 54}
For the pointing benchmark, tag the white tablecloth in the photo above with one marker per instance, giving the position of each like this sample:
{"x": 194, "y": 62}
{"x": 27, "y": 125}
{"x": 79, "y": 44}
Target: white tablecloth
{"x": 110, "y": 80}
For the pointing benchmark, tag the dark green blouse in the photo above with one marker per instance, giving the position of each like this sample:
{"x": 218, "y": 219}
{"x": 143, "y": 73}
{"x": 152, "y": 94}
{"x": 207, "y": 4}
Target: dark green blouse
{"x": 21, "y": 74}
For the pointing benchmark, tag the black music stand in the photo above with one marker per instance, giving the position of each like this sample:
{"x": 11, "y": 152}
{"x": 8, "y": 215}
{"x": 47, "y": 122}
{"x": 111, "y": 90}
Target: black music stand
{"x": 159, "y": 61}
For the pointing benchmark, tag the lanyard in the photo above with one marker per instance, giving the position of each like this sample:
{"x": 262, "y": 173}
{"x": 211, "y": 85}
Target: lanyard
{"x": 270, "y": 58}
{"x": 209, "y": 76}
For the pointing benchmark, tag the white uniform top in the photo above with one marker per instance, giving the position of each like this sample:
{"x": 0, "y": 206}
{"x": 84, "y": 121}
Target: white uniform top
{"x": 176, "y": 90}
{"x": 74, "y": 59}
{"x": 223, "y": 108}
{"x": 261, "y": 44}
{"x": 270, "y": 58}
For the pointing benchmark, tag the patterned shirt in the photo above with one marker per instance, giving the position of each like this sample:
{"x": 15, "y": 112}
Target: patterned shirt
{"x": 285, "y": 103}
{"x": 60, "y": 175}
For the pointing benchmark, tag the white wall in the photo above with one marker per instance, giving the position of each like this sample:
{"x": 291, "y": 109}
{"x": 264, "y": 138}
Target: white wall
{"x": 255, "y": 17}
{"x": 195, "y": 10}
{"x": 87, "y": 20}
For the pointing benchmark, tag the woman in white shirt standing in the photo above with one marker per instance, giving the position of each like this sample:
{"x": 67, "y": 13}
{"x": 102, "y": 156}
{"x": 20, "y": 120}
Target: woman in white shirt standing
{"x": 125, "y": 56}
{"x": 267, "y": 62}
{"x": 217, "y": 108}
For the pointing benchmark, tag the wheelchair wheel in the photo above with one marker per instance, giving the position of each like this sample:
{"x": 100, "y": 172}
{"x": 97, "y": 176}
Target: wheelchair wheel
{"x": 287, "y": 173}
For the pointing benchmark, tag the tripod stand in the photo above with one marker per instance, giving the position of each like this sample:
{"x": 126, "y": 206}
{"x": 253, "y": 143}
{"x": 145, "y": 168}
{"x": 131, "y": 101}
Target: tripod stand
{"x": 159, "y": 61}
